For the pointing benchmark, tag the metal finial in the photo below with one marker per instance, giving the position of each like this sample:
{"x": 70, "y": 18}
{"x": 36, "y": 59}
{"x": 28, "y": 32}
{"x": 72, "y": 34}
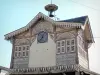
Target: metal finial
{"x": 51, "y": 8}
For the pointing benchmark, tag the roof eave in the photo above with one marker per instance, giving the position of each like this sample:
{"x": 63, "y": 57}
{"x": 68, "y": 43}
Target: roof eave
{"x": 38, "y": 16}
{"x": 35, "y": 19}
{"x": 91, "y": 34}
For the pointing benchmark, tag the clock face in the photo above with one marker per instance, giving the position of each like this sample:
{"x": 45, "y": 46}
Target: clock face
{"x": 42, "y": 37}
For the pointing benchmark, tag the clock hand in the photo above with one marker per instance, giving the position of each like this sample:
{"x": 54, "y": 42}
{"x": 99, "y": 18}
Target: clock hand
{"x": 41, "y": 38}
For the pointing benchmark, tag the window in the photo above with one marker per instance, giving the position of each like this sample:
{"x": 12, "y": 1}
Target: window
{"x": 63, "y": 49}
{"x": 19, "y": 54}
{"x": 23, "y": 53}
{"x": 72, "y": 42}
{"x": 63, "y": 43}
{"x": 68, "y": 49}
{"x": 63, "y": 46}
{"x": 58, "y": 44}
{"x": 19, "y": 48}
{"x": 68, "y": 42}
{"x": 70, "y": 46}
{"x": 58, "y": 47}
{"x": 27, "y": 47}
{"x": 15, "y": 54}
{"x": 23, "y": 48}
{"x": 26, "y": 53}
{"x": 58, "y": 50}
{"x": 67, "y": 45}
{"x": 15, "y": 48}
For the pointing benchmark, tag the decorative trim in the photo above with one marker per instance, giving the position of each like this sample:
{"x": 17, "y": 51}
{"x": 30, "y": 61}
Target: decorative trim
{"x": 52, "y": 69}
{"x": 32, "y": 22}
{"x": 35, "y": 19}
{"x": 68, "y": 24}
{"x": 41, "y": 70}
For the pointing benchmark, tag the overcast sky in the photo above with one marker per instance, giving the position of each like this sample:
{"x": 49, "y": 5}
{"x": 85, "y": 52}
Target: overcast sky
{"x": 15, "y": 14}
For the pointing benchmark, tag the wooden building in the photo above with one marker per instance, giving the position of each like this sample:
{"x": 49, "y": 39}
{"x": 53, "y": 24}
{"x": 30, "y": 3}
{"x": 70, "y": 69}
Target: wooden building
{"x": 49, "y": 47}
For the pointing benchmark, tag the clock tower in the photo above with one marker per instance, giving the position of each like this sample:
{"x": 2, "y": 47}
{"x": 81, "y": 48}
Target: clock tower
{"x": 46, "y": 46}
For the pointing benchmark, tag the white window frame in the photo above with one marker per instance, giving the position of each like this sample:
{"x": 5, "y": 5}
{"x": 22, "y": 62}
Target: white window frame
{"x": 73, "y": 45}
{"x": 58, "y": 47}
{"x": 16, "y": 54}
{"x": 70, "y": 45}
{"x": 67, "y": 45}
{"x": 27, "y": 48}
{"x": 62, "y": 46}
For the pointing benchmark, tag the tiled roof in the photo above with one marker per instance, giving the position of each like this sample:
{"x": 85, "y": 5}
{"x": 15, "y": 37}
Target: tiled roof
{"x": 76, "y": 20}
